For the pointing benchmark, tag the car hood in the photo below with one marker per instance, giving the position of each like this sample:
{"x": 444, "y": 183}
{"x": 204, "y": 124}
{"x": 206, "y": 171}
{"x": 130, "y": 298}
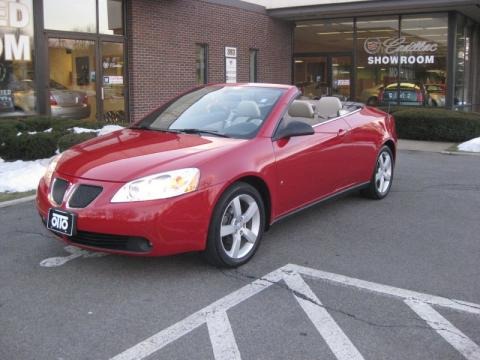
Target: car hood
{"x": 129, "y": 154}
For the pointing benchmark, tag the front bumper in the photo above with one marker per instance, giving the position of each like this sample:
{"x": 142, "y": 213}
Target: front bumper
{"x": 170, "y": 226}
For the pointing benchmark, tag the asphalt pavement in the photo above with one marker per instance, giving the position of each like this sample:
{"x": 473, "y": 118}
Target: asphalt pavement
{"x": 370, "y": 279}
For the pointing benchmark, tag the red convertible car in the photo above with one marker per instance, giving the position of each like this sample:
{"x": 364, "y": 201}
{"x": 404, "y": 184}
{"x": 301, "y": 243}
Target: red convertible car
{"x": 212, "y": 169}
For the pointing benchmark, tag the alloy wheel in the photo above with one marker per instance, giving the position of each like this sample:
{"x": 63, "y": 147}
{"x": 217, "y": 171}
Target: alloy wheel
{"x": 240, "y": 226}
{"x": 383, "y": 175}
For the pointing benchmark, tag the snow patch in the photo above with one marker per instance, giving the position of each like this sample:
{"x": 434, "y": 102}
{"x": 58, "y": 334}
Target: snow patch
{"x": 19, "y": 176}
{"x": 471, "y": 145}
{"x": 108, "y": 129}
{"x": 79, "y": 130}
{"x": 103, "y": 131}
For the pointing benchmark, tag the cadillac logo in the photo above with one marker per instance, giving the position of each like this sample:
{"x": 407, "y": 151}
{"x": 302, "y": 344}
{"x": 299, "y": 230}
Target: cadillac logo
{"x": 372, "y": 45}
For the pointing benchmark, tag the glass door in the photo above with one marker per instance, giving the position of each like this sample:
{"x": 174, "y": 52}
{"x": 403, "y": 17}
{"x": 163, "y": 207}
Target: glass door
{"x": 113, "y": 82}
{"x": 311, "y": 76}
{"x": 72, "y": 81}
{"x": 341, "y": 71}
{"x": 326, "y": 75}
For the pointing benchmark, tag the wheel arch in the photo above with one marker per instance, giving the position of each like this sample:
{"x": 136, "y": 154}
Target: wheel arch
{"x": 261, "y": 186}
{"x": 392, "y": 147}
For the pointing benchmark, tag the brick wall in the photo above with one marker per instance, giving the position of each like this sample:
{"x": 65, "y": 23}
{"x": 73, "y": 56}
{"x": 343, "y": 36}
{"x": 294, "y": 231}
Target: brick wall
{"x": 161, "y": 46}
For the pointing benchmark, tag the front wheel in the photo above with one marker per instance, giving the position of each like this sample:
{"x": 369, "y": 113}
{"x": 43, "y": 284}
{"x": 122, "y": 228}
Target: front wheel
{"x": 382, "y": 177}
{"x": 236, "y": 227}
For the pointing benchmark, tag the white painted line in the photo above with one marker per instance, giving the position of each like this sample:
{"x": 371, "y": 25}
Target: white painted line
{"x": 17, "y": 201}
{"x": 385, "y": 289}
{"x": 59, "y": 260}
{"x": 163, "y": 338}
{"x": 337, "y": 341}
{"x": 176, "y": 331}
{"x": 222, "y": 337}
{"x": 75, "y": 253}
{"x": 445, "y": 329}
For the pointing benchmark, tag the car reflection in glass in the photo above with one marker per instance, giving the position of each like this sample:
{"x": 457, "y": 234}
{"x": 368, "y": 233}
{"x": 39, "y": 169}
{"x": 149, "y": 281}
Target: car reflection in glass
{"x": 64, "y": 103}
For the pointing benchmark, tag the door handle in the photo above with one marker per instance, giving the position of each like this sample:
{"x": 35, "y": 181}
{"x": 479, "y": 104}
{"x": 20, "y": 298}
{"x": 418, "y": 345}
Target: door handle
{"x": 103, "y": 93}
{"x": 342, "y": 132}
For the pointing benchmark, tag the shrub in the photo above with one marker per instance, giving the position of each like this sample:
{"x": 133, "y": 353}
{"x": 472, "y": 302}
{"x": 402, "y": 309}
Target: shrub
{"x": 25, "y": 147}
{"x": 62, "y": 125}
{"x": 36, "y": 123}
{"x": 437, "y": 124}
{"x": 68, "y": 140}
{"x": 29, "y": 147}
{"x": 7, "y": 131}
{"x": 13, "y": 147}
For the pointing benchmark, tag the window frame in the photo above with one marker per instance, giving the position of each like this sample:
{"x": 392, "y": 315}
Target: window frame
{"x": 253, "y": 75}
{"x": 204, "y": 48}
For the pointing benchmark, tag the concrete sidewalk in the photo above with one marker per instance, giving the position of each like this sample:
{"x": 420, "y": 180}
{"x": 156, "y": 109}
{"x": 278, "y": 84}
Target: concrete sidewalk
{"x": 430, "y": 146}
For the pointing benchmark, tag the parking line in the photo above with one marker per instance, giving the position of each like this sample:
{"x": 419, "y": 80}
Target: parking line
{"x": 338, "y": 342}
{"x": 341, "y": 346}
{"x": 221, "y": 336}
{"x": 453, "y": 304}
{"x": 445, "y": 329}
{"x": 176, "y": 331}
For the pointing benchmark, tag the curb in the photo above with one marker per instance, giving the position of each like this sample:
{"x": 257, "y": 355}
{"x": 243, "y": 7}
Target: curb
{"x": 17, "y": 201}
{"x": 446, "y": 152}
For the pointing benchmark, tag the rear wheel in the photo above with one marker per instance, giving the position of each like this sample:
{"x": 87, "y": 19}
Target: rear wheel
{"x": 236, "y": 227}
{"x": 382, "y": 177}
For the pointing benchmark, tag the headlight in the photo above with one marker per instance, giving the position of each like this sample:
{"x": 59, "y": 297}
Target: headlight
{"x": 50, "y": 169}
{"x": 159, "y": 186}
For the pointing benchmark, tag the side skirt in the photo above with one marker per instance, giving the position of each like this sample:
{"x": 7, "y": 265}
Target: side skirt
{"x": 326, "y": 199}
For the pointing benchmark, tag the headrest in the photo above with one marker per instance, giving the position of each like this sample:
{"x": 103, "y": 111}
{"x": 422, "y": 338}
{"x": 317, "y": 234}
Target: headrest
{"x": 301, "y": 109}
{"x": 328, "y": 106}
{"x": 248, "y": 108}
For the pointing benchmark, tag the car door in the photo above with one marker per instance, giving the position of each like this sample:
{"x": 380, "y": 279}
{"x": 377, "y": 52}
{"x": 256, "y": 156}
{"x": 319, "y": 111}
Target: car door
{"x": 365, "y": 136}
{"x": 309, "y": 167}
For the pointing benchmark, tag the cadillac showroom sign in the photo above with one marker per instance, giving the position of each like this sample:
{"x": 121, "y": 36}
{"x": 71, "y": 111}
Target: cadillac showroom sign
{"x": 399, "y": 50}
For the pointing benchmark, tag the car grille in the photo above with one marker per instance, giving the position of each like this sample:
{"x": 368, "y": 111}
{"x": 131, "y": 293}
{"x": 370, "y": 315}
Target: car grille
{"x": 111, "y": 242}
{"x": 59, "y": 188}
{"x": 84, "y": 195}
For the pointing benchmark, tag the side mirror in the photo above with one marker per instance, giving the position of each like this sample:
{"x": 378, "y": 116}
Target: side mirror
{"x": 295, "y": 128}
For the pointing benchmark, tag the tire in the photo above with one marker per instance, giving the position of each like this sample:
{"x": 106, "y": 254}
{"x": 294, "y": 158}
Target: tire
{"x": 240, "y": 215}
{"x": 382, "y": 177}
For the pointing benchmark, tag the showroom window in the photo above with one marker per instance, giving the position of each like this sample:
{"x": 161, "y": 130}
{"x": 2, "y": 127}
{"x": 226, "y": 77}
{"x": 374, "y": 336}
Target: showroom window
{"x": 467, "y": 44}
{"x": 398, "y": 59}
{"x": 372, "y": 74}
{"x": 81, "y": 16}
{"x": 70, "y": 15}
{"x": 17, "y": 76}
{"x": 422, "y": 49}
{"x": 253, "y": 76}
{"x": 323, "y": 61}
{"x": 110, "y": 17}
{"x": 201, "y": 60}
{"x": 86, "y": 60}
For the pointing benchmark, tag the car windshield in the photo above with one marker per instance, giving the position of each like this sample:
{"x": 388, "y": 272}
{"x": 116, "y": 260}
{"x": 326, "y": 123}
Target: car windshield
{"x": 227, "y": 111}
